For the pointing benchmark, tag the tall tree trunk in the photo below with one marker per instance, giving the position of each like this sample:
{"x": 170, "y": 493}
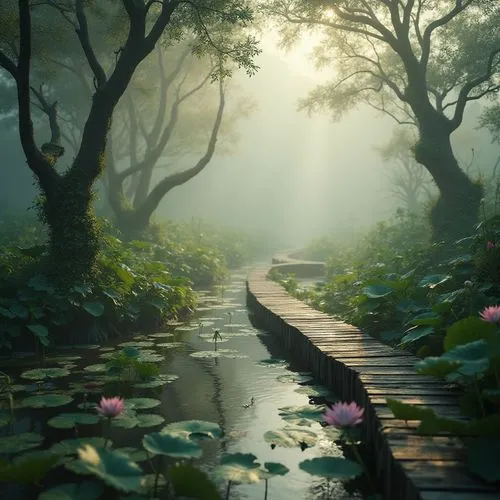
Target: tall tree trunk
{"x": 457, "y": 209}
{"x": 73, "y": 230}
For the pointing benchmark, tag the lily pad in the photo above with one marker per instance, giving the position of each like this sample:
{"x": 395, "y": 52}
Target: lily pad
{"x": 86, "y": 490}
{"x": 220, "y": 353}
{"x": 99, "y": 368}
{"x": 161, "y": 335}
{"x": 297, "y": 378}
{"x": 43, "y": 373}
{"x": 301, "y": 415}
{"x": 288, "y": 437}
{"x": 150, "y": 357}
{"x": 315, "y": 390}
{"x": 238, "y": 468}
{"x": 46, "y": 400}
{"x": 131, "y": 420}
{"x": 175, "y": 446}
{"x": 70, "y": 446}
{"x": 137, "y": 343}
{"x": 193, "y": 428}
{"x": 134, "y": 454}
{"x": 115, "y": 469}
{"x": 169, "y": 345}
{"x": 274, "y": 469}
{"x": 69, "y": 420}
{"x": 156, "y": 381}
{"x": 331, "y": 467}
{"x": 272, "y": 362}
{"x": 141, "y": 403}
{"x": 20, "y": 442}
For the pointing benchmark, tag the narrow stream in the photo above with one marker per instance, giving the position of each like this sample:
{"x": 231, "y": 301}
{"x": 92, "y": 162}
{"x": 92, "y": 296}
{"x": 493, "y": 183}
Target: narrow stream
{"x": 242, "y": 390}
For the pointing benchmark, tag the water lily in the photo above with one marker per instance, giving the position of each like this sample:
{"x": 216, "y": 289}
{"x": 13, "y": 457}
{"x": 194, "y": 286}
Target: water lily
{"x": 344, "y": 415}
{"x": 491, "y": 314}
{"x": 110, "y": 407}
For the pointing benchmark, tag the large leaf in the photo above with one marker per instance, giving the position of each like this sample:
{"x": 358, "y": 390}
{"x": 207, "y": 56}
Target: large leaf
{"x": 275, "y": 469}
{"x": 190, "y": 482}
{"x": 474, "y": 357}
{"x": 176, "y": 446}
{"x": 377, "y": 291}
{"x": 27, "y": 470}
{"x": 20, "y": 442}
{"x": 71, "y": 446}
{"x": 437, "y": 366}
{"x": 483, "y": 458}
{"x": 301, "y": 415}
{"x": 114, "y": 468}
{"x": 416, "y": 333}
{"x": 331, "y": 467}
{"x": 238, "y": 468}
{"x": 47, "y": 401}
{"x": 93, "y": 307}
{"x": 407, "y": 412}
{"x": 69, "y": 420}
{"x": 43, "y": 373}
{"x": 193, "y": 428}
{"x": 468, "y": 330}
{"x": 426, "y": 318}
{"x": 142, "y": 403}
{"x": 288, "y": 437}
{"x": 41, "y": 333}
{"x": 433, "y": 280}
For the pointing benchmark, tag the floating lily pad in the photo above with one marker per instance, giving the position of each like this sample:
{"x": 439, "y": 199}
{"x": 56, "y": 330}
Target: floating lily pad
{"x": 115, "y": 469}
{"x": 150, "y": 357}
{"x": 169, "y": 345}
{"x": 193, "y": 428}
{"x": 86, "y": 490}
{"x": 175, "y": 446}
{"x": 301, "y": 415}
{"x": 141, "y": 403}
{"x": 43, "y": 373}
{"x": 46, "y": 400}
{"x": 161, "y": 335}
{"x": 70, "y": 446}
{"x": 235, "y": 325}
{"x": 296, "y": 378}
{"x": 274, "y": 469}
{"x": 288, "y": 437}
{"x": 130, "y": 420}
{"x": 137, "y": 343}
{"x": 331, "y": 467}
{"x": 156, "y": 381}
{"x": 220, "y": 353}
{"x": 99, "y": 368}
{"x": 272, "y": 362}
{"x": 20, "y": 442}
{"x": 219, "y": 340}
{"x": 69, "y": 420}
{"x": 238, "y": 468}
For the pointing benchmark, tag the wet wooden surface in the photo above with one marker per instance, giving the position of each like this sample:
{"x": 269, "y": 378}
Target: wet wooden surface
{"x": 357, "y": 367}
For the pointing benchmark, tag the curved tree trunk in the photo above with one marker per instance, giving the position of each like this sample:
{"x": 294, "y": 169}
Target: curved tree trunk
{"x": 457, "y": 209}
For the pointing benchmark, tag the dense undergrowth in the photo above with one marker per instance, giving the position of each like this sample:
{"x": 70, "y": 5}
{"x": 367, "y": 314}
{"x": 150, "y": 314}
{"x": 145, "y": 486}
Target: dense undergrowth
{"x": 137, "y": 285}
{"x": 439, "y": 301}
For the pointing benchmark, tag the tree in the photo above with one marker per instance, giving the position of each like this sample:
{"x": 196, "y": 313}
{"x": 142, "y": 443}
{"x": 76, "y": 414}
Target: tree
{"x": 410, "y": 182}
{"x": 420, "y": 62}
{"x": 166, "y": 131}
{"x": 67, "y": 195}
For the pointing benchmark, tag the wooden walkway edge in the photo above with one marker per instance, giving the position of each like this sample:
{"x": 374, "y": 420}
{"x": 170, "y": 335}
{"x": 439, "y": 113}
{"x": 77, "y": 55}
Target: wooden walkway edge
{"x": 358, "y": 368}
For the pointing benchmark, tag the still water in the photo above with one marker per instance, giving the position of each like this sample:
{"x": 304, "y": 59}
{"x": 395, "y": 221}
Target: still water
{"x": 240, "y": 390}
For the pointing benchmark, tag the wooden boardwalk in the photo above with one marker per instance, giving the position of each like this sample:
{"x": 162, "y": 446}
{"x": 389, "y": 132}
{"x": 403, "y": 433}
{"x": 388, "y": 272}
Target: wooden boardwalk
{"x": 357, "y": 367}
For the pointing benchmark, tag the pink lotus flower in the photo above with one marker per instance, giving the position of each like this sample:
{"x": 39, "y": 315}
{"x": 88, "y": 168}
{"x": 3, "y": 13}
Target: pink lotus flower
{"x": 110, "y": 407}
{"x": 491, "y": 314}
{"x": 344, "y": 415}
{"x": 490, "y": 245}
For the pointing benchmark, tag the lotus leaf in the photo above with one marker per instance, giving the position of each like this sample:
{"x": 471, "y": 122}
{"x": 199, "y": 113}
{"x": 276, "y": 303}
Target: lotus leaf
{"x": 272, "y": 362}
{"x": 46, "y": 400}
{"x": 377, "y": 291}
{"x": 239, "y": 468}
{"x": 115, "y": 469}
{"x": 315, "y": 390}
{"x": 137, "y": 343}
{"x": 468, "y": 330}
{"x": 437, "y": 366}
{"x": 141, "y": 403}
{"x": 86, "y": 490}
{"x": 94, "y": 308}
{"x": 169, "y": 345}
{"x": 274, "y": 469}
{"x": 70, "y": 446}
{"x": 134, "y": 454}
{"x": 69, "y": 420}
{"x": 417, "y": 333}
{"x": 331, "y": 467}
{"x": 288, "y": 437}
{"x": 161, "y": 335}
{"x": 221, "y": 353}
{"x": 20, "y": 442}
{"x": 190, "y": 482}
{"x": 175, "y": 446}
{"x": 43, "y": 373}
{"x": 483, "y": 458}
{"x": 99, "y": 368}
{"x": 193, "y": 428}
{"x": 301, "y": 415}
{"x": 433, "y": 280}
{"x": 28, "y": 469}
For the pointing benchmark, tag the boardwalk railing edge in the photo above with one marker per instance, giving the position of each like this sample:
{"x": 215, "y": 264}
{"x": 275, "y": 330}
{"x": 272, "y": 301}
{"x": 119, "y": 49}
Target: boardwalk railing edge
{"x": 358, "y": 368}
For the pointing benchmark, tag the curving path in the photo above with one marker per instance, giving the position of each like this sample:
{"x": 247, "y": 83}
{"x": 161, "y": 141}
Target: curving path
{"x": 357, "y": 367}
